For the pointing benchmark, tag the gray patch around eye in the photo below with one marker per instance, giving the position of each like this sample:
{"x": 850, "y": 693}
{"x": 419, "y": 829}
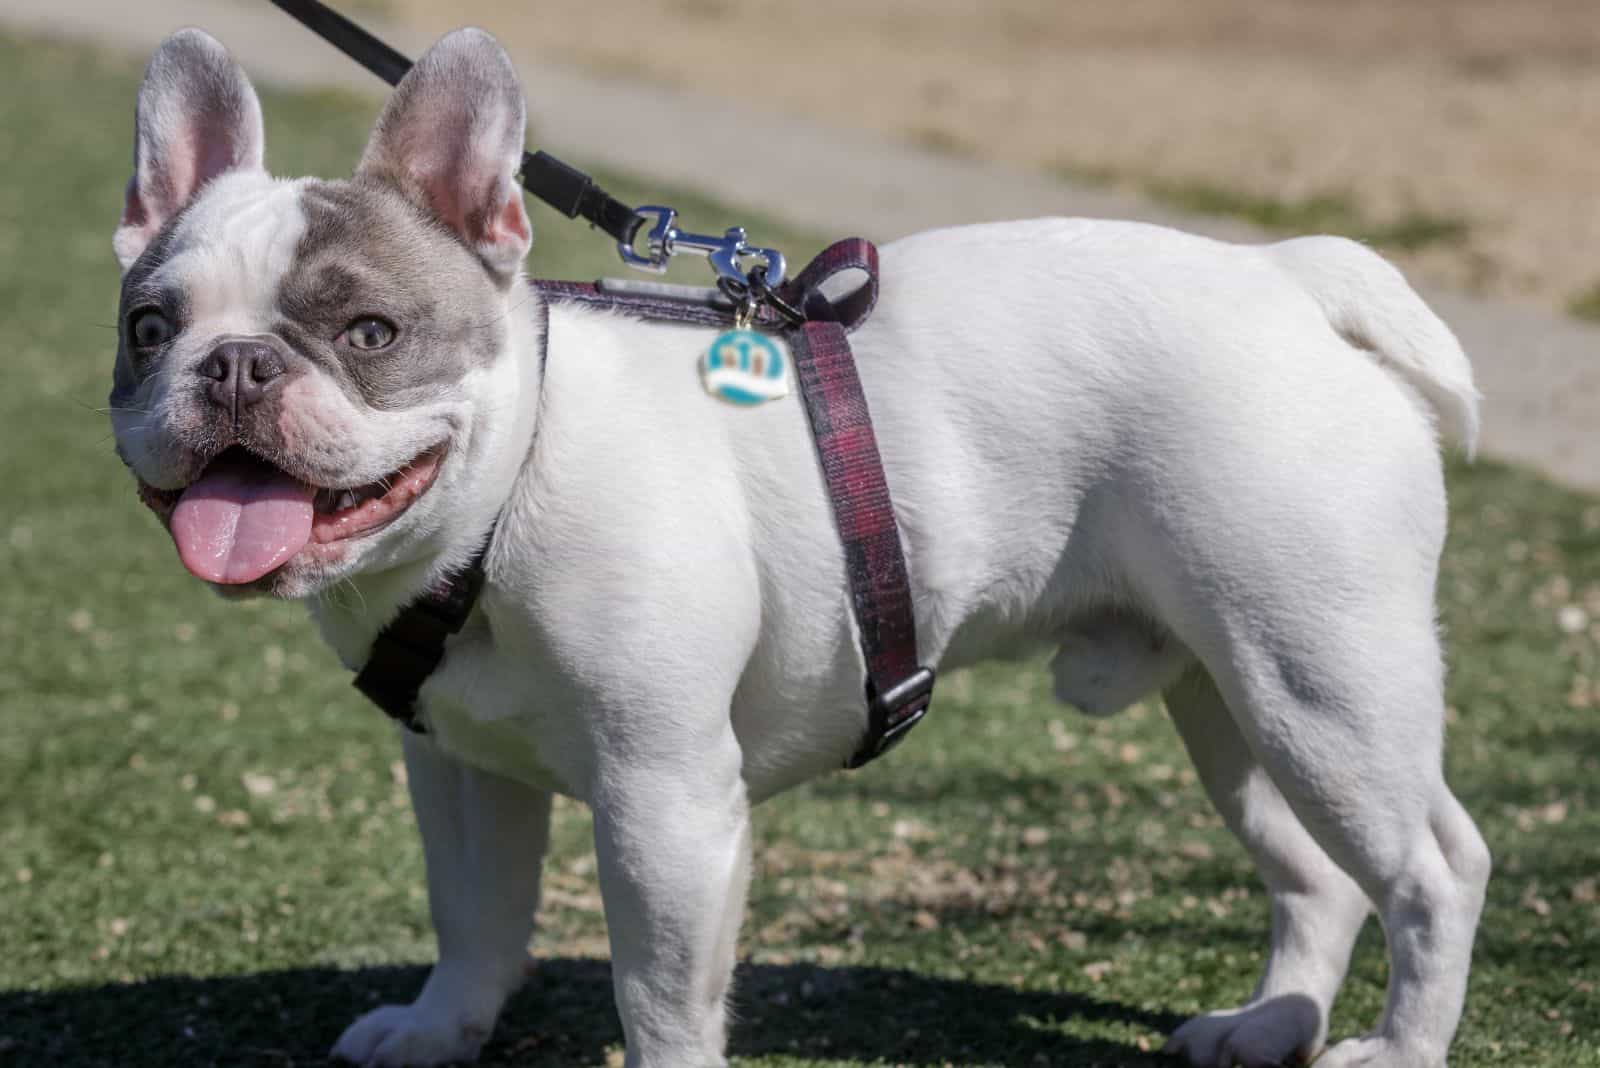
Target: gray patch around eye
{"x": 139, "y": 289}
{"x": 367, "y": 251}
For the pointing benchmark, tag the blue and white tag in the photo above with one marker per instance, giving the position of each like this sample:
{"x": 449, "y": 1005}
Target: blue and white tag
{"x": 746, "y": 368}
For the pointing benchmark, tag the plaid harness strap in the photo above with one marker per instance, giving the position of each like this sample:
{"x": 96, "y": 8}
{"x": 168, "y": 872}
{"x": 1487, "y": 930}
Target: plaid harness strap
{"x": 898, "y": 689}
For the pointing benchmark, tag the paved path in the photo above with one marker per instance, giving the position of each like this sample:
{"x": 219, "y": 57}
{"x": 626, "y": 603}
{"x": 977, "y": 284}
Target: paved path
{"x": 1539, "y": 372}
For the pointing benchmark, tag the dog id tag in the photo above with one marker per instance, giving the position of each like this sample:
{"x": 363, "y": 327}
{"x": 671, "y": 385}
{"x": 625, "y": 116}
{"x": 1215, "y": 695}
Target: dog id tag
{"x": 745, "y": 367}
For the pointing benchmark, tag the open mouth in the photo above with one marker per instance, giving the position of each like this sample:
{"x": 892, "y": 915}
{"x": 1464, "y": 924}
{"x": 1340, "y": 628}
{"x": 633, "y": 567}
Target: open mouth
{"x": 244, "y": 517}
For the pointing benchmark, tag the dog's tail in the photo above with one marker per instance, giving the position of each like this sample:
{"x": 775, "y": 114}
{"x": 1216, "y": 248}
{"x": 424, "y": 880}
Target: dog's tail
{"x": 1370, "y": 305}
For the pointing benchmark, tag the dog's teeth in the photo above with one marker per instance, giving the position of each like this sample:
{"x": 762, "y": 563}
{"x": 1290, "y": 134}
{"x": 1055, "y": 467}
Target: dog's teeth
{"x": 347, "y": 499}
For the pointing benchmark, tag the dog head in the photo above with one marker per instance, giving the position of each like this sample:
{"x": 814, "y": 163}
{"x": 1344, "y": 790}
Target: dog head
{"x": 311, "y": 375}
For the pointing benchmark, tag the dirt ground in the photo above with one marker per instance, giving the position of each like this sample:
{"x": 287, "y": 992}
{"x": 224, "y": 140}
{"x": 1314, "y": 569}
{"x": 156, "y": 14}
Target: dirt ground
{"x": 1485, "y": 112}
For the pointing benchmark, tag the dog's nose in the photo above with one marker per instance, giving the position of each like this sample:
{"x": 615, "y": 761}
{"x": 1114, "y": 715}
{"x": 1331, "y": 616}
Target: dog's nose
{"x": 241, "y": 373}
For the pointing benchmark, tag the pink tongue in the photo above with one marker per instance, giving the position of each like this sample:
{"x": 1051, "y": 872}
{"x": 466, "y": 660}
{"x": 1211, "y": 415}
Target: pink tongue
{"x": 240, "y": 520}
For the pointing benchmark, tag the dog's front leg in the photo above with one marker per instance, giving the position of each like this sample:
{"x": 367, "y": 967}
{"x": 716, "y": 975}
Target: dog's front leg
{"x": 673, "y": 843}
{"x": 483, "y": 838}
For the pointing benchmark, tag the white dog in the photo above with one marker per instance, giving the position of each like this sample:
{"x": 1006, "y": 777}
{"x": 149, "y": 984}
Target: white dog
{"x": 1197, "y": 468}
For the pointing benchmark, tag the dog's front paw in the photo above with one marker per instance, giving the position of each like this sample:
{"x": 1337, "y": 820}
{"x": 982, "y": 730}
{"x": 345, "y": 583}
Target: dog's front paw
{"x": 406, "y": 1036}
{"x": 1376, "y": 1051}
{"x": 1279, "y": 1031}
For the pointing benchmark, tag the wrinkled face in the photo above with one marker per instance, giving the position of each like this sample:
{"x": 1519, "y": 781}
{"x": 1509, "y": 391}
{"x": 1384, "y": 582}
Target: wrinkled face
{"x": 295, "y": 365}
{"x": 305, "y": 368}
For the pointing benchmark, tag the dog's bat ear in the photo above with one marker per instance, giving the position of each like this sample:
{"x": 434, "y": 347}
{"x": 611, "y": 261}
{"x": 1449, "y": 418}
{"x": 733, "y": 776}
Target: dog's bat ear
{"x": 197, "y": 117}
{"x": 450, "y": 139}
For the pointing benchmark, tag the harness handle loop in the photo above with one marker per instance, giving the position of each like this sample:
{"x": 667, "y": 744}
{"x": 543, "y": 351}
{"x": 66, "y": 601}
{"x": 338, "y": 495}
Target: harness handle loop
{"x": 851, "y": 308}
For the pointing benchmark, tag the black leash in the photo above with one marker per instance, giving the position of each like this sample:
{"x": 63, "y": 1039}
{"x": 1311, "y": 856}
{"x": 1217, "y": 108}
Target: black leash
{"x": 563, "y": 187}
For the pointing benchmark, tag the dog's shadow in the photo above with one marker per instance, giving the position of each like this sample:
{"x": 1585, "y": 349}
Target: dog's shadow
{"x": 564, "y": 1017}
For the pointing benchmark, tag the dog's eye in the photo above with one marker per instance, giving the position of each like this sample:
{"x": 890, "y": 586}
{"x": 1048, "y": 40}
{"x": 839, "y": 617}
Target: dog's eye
{"x": 368, "y": 334}
{"x": 150, "y": 329}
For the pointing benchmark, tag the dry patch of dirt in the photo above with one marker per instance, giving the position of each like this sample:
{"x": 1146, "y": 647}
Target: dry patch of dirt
{"x": 1408, "y": 112}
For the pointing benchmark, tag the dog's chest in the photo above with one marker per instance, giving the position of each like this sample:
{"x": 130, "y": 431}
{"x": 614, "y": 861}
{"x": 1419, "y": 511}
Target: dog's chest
{"x": 483, "y": 704}
{"x": 485, "y": 707}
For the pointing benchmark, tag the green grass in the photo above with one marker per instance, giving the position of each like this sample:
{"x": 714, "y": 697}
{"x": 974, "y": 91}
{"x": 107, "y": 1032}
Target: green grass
{"x": 1586, "y": 305}
{"x": 1323, "y": 213}
{"x": 206, "y": 856}
{"x": 938, "y": 139}
{"x": 1320, "y": 213}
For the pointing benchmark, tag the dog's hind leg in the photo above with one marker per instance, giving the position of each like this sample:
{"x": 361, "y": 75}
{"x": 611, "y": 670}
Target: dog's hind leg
{"x": 1316, "y": 909}
{"x": 483, "y": 840}
{"x": 1345, "y": 713}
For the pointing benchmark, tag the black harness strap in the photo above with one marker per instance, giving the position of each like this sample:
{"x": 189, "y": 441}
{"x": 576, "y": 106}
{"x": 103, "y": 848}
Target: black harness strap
{"x": 563, "y": 187}
{"x": 411, "y": 647}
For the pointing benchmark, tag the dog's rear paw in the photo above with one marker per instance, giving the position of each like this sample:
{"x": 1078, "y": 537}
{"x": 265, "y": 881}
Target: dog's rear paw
{"x": 402, "y": 1036}
{"x": 1375, "y": 1051}
{"x": 1279, "y": 1031}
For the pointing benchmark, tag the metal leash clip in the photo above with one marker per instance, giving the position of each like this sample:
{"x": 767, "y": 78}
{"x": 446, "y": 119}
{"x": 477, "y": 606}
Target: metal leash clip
{"x": 665, "y": 241}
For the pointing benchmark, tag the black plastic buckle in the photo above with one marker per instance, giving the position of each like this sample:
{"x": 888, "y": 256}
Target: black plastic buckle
{"x": 892, "y": 713}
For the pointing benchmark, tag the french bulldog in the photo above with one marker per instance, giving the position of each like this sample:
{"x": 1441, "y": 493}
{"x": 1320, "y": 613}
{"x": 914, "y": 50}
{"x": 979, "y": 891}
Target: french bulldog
{"x": 1199, "y": 469}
